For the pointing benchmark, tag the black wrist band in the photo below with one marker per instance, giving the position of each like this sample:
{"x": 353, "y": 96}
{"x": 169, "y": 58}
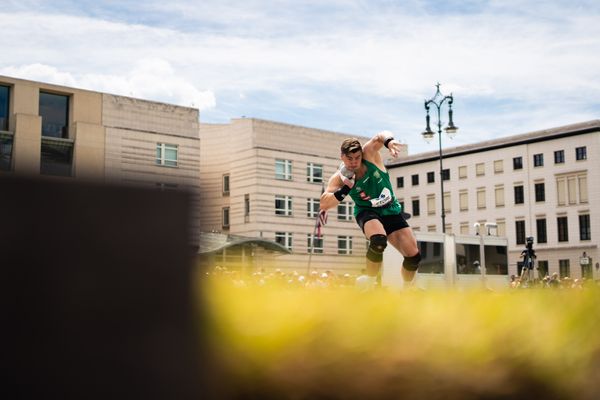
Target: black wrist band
{"x": 387, "y": 141}
{"x": 342, "y": 192}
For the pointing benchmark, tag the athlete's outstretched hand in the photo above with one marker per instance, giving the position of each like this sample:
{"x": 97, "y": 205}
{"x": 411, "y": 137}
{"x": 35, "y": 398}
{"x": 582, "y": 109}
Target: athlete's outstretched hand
{"x": 395, "y": 147}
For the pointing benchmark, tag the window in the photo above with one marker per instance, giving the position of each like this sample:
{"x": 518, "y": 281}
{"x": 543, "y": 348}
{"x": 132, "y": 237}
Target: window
{"x": 54, "y": 110}
{"x": 312, "y": 208}
{"x": 499, "y": 196}
{"x": 415, "y": 179}
{"x": 400, "y": 182}
{"x": 6, "y": 146}
{"x": 564, "y": 269}
{"x": 501, "y": 227}
{"x": 462, "y": 172}
{"x": 581, "y": 153}
{"x": 4, "y": 108}
{"x": 540, "y": 225}
{"x": 542, "y": 268}
{"x": 480, "y": 198}
{"x": 401, "y": 202}
{"x": 166, "y": 154}
{"x": 164, "y": 187}
{"x": 283, "y": 205}
{"x": 559, "y": 157}
{"x": 226, "y": 185}
{"x": 464, "y": 228}
{"x": 463, "y": 198}
{"x": 518, "y": 163}
{"x": 430, "y": 204}
{"x": 520, "y": 231}
{"x": 246, "y": 207}
{"x": 498, "y": 167}
{"x": 446, "y": 174}
{"x": 430, "y": 177}
{"x": 284, "y": 239}
{"x": 316, "y": 241}
{"x": 571, "y": 188}
{"x": 314, "y": 173}
{"x": 538, "y": 160}
{"x": 447, "y": 203}
{"x": 56, "y": 157}
{"x": 416, "y": 210}
{"x": 480, "y": 169}
{"x": 283, "y": 169}
{"x": 563, "y": 229}
{"x": 540, "y": 192}
{"x": 344, "y": 211}
{"x": 225, "y": 219}
{"x": 519, "y": 197}
{"x": 431, "y": 228}
{"x": 345, "y": 245}
{"x": 585, "y": 232}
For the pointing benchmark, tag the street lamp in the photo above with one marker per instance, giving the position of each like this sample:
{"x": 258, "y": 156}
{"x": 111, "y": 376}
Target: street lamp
{"x": 437, "y": 100}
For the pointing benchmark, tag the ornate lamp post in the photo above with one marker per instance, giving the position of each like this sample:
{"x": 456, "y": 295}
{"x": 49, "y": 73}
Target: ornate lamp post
{"x": 438, "y": 100}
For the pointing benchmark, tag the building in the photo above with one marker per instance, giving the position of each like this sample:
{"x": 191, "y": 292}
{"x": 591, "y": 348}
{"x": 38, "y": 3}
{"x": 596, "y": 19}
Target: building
{"x": 59, "y": 132}
{"x": 264, "y": 179}
{"x": 542, "y": 184}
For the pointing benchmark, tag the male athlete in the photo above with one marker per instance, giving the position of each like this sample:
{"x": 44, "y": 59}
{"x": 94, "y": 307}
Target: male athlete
{"x": 363, "y": 176}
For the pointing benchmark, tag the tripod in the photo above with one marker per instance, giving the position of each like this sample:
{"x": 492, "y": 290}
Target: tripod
{"x": 527, "y": 277}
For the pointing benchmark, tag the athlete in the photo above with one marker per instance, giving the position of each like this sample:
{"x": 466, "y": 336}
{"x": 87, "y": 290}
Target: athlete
{"x": 364, "y": 178}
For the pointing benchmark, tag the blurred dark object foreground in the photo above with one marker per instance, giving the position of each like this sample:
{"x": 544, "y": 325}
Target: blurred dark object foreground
{"x": 98, "y": 284}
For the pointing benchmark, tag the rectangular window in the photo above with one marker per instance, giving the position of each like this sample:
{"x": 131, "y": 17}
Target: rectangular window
{"x": 6, "y": 146}
{"x": 498, "y": 167}
{"x": 542, "y": 268}
{"x": 446, "y": 174}
{"x": 464, "y": 228}
{"x": 581, "y": 153}
{"x": 462, "y": 172}
{"x": 463, "y": 198}
{"x": 283, "y": 205}
{"x": 430, "y": 204}
{"x": 447, "y": 203}
{"x": 225, "y": 218}
{"x": 166, "y": 154}
{"x": 54, "y": 110}
{"x": 499, "y": 196}
{"x": 564, "y": 268}
{"x": 344, "y": 245}
{"x": 4, "y": 107}
{"x": 283, "y": 169}
{"x": 561, "y": 191}
{"x": 585, "y": 232}
{"x": 416, "y": 208}
{"x": 415, "y": 179}
{"x": 520, "y": 231}
{"x": 226, "y": 185}
{"x": 583, "y": 191}
{"x": 164, "y": 187}
{"x": 430, "y": 177}
{"x": 318, "y": 244}
{"x": 540, "y": 225}
{"x": 563, "y": 229}
{"x": 284, "y": 239}
{"x": 538, "y": 160}
{"x": 480, "y": 198}
{"x": 246, "y": 207}
{"x": 56, "y": 157}
{"x": 431, "y": 228}
{"x": 480, "y": 169}
{"x": 312, "y": 207}
{"x": 344, "y": 211}
{"x": 519, "y": 196}
{"x": 572, "y": 189}
{"x": 400, "y": 182}
{"x": 314, "y": 173}
{"x": 559, "y": 157}
{"x": 540, "y": 192}
{"x": 518, "y": 163}
{"x": 501, "y": 227}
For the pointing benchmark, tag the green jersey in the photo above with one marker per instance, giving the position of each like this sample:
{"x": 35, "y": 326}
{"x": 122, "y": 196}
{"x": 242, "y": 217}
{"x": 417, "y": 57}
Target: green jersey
{"x": 374, "y": 192}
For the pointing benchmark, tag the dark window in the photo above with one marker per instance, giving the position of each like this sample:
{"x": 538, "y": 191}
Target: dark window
{"x": 56, "y": 157}
{"x": 415, "y": 208}
{"x": 225, "y": 217}
{"x": 519, "y": 198}
{"x": 520, "y": 231}
{"x": 246, "y": 208}
{"x": 581, "y": 153}
{"x": 6, "y": 146}
{"x": 563, "y": 229}
{"x": 585, "y": 232}
{"x": 4, "y": 97}
{"x": 54, "y": 110}
{"x": 226, "y": 185}
{"x": 542, "y": 268}
{"x": 559, "y": 157}
{"x": 564, "y": 268}
{"x": 401, "y": 205}
{"x": 446, "y": 174}
{"x": 518, "y": 163}
{"x": 538, "y": 160}
{"x": 430, "y": 177}
{"x": 415, "y": 179}
{"x": 400, "y": 182}
{"x": 541, "y": 230}
{"x": 540, "y": 192}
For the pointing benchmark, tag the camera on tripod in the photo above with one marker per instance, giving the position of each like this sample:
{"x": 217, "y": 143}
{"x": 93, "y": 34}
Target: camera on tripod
{"x": 528, "y": 254}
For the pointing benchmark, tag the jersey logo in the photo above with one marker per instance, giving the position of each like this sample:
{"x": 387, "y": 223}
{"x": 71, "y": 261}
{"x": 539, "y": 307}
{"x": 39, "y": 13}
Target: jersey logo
{"x": 381, "y": 200}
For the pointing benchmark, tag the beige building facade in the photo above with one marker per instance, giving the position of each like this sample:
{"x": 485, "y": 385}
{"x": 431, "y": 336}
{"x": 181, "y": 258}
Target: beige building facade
{"x": 542, "y": 184}
{"x": 59, "y": 132}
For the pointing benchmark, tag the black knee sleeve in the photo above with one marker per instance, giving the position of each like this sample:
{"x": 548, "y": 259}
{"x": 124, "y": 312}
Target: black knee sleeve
{"x": 377, "y": 245}
{"x": 412, "y": 263}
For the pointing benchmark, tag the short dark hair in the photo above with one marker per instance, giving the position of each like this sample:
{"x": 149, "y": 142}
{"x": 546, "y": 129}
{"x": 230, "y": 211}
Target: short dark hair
{"x": 350, "y": 145}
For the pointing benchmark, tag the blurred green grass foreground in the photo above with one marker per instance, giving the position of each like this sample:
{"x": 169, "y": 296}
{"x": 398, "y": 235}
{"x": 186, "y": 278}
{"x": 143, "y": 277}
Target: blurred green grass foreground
{"x": 280, "y": 343}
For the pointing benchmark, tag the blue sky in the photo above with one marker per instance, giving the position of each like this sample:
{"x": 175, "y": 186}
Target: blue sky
{"x": 349, "y": 66}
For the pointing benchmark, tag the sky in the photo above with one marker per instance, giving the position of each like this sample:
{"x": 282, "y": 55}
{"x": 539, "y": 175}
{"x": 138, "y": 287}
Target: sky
{"x": 350, "y": 66}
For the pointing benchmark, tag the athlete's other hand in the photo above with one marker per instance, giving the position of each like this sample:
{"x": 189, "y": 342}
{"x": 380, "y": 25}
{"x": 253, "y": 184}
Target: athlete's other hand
{"x": 395, "y": 148}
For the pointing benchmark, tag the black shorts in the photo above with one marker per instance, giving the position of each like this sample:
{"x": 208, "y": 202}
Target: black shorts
{"x": 391, "y": 223}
